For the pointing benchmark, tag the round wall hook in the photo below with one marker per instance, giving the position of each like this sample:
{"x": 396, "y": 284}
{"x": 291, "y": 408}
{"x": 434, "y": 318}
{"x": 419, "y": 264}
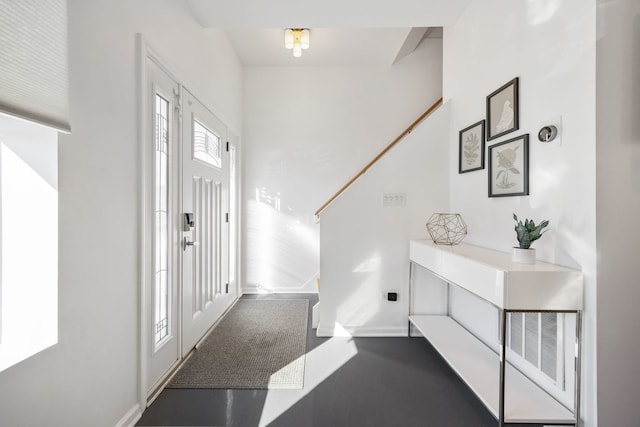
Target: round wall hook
{"x": 547, "y": 133}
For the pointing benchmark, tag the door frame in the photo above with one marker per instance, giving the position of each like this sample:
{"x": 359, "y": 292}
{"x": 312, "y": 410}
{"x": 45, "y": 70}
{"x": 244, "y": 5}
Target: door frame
{"x": 143, "y": 52}
{"x": 234, "y": 141}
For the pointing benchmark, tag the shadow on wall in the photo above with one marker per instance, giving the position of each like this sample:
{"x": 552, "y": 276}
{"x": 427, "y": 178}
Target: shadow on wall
{"x": 282, "y": 252}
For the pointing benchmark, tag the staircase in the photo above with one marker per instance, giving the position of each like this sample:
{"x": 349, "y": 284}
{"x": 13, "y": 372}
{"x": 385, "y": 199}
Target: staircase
{"x": 393, "y": 143}
{"x": 366, "y": 225}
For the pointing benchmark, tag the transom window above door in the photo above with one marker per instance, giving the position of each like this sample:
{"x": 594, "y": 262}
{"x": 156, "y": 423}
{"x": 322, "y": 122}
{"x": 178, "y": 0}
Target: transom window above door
{"x": 206, "y": 145}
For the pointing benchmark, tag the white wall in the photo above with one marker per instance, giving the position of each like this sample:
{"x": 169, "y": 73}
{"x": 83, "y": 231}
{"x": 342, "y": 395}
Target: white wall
{"x": 91, "y": 376}
{"x": 618, "y": 210}
{"x": 365, "y": 246}
{"x": 550, "y": 45}
{"x": 307, "y": 131}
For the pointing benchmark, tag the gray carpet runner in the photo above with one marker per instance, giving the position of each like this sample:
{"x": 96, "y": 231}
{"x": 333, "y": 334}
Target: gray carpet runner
{"x": 258, "y": 344}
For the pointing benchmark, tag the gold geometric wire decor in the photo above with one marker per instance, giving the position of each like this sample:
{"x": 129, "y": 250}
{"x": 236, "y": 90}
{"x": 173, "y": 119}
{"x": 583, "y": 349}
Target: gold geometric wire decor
{"x": 446, "y": 228}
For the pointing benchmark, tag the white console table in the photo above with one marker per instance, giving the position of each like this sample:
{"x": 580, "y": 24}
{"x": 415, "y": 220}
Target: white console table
{"x": 508, "y": 394}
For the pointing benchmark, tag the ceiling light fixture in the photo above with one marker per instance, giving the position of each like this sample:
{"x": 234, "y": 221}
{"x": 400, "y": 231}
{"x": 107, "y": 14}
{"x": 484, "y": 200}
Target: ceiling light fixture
{"x": 296, "y": 39}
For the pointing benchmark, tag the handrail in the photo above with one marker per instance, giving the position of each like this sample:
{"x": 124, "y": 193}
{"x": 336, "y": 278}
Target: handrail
{"x": 406, "y": 132}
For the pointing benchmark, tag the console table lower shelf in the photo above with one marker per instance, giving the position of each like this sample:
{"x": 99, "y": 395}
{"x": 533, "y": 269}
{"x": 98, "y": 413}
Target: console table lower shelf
{"x": 479, "y": 367}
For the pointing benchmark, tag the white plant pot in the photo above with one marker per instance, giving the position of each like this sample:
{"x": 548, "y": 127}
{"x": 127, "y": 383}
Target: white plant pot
{"x": 523, "y": 256}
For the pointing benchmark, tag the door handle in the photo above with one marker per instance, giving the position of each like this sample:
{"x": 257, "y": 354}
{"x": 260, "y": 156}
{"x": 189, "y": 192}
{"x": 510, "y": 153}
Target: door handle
{"x": 186, "y": 242}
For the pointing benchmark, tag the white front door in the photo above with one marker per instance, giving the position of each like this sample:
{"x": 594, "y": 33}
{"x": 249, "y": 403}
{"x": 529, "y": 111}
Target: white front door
{"x": 205, "y": 236}
{"x": 163, "y": 235}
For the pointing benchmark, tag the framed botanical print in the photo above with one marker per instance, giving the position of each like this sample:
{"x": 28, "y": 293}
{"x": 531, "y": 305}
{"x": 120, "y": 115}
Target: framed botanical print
{"x": 503, "y": 110}
{"x": 471, "y": 148}
{"x": 509, "y": 167}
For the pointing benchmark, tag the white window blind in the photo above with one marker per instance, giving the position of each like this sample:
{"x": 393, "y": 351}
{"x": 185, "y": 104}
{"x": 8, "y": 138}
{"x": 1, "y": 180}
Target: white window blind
{"x": 33, "y": 61}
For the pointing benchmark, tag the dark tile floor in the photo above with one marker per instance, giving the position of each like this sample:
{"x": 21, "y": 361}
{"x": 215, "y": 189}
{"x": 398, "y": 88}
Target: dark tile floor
{"x": 348, "y": 382}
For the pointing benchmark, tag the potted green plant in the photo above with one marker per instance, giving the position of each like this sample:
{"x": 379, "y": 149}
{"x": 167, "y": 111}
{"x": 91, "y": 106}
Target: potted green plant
{"x": 527, "y": 233}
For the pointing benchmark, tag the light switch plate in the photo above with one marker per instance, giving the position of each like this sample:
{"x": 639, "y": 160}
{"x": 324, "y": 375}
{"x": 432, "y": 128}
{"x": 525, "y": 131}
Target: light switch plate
{"x": 394, "y": 199}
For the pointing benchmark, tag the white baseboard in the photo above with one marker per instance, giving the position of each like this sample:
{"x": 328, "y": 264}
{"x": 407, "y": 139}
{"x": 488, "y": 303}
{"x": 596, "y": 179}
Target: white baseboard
{"x": 131, "y": 417}
{"x": 256, "y": 291}
{"x": 308, "y": 287}
{"x": 358, "y": 331}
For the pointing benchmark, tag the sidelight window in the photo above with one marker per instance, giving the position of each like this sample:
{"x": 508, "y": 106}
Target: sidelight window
{"x": 161, "y": 220}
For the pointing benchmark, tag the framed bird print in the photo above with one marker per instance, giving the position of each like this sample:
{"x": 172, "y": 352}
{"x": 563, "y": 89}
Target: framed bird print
{"x": 509, "y": 167}
{"x": 502, "y": 110}
{"x": 471, "y": 148}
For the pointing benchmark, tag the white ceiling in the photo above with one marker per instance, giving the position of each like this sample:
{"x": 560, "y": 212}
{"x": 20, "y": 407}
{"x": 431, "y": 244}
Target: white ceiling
{"x": 326, "y": 13}
{"x": 343, "y": 32}
{"x": 328, "y": 46}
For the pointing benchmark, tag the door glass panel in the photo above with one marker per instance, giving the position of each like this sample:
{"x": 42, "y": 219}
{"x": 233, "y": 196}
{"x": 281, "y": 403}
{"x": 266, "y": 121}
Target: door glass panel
{"x": 161, "y": 221}
{"x": 206, "y": 145}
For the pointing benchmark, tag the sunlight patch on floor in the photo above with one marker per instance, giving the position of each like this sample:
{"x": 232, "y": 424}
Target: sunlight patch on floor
{"x": 321, "y": 363}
